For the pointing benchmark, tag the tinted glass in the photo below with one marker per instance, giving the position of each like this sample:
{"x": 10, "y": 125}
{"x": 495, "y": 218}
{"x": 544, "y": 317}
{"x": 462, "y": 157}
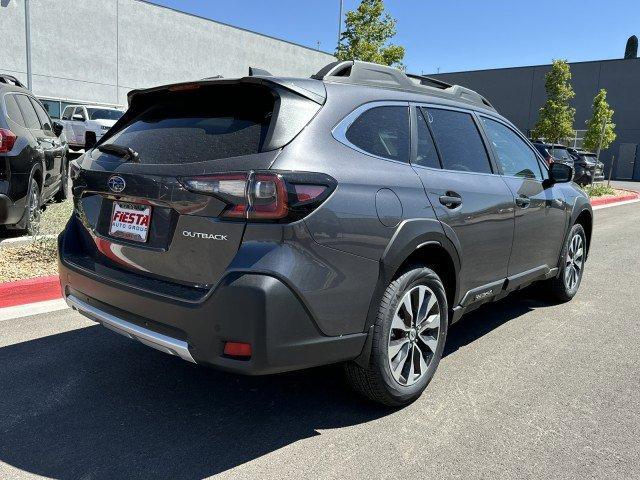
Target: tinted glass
{"x": 458, "y": 141}
{"x": 104, "y": 114}
{"x": 13, "y": 112}
{"x": 514, "y": 155}
{"x": 29, "y": 114}
{"x": 42, "y": 116}
{"x": 382, "y": 131}
{"x": 52, "y": 107}
{"x": 66, "y": 115}
{"x": 560, "y": 153}
{"x": 199, "y": 125}
{"x": 427, "y": 156}
{"x": 79, "y": 111}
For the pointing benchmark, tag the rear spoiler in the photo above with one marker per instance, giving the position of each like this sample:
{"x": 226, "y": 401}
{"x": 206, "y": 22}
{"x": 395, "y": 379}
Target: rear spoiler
{"x": 311, "y": 89}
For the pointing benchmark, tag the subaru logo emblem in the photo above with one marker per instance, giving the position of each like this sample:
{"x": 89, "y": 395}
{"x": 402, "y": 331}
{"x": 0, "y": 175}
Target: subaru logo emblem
{"x": 116, "y": 183}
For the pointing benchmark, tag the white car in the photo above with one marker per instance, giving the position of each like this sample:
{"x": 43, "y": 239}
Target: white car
{"x": 84, "y": 125}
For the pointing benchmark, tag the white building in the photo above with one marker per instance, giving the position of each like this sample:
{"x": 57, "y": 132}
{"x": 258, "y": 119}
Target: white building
{"x": 95, "y": 51}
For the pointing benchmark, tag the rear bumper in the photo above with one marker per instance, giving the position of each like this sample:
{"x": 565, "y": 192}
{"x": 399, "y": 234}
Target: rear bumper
{"x": 246, "y": 307}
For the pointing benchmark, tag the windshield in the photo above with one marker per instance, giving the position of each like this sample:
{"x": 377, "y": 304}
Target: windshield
{"x": 560, "y": 153}
{"x": 104, "y": 114}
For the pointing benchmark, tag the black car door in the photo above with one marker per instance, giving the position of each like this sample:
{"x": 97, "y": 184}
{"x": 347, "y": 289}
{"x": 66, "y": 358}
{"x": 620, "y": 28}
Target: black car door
{"x": 474, "y": 205}
{"x": 56, "y": 152}
{"x": 541, "y": 212}
{"x": 45, "y": 146}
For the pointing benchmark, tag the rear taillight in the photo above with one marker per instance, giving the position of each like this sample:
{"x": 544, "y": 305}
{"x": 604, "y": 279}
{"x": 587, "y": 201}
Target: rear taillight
{"x": 7, "y": 140}
{"x": 264, "y": 195}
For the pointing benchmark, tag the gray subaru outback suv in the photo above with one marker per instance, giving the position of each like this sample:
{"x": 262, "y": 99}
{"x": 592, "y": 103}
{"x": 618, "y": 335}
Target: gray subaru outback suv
{"x": 267, "y": 224}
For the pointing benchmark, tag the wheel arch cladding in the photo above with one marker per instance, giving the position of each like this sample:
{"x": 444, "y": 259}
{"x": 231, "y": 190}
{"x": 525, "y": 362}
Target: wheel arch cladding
{"x": 419, "y": 241}
{"x": 585, "y": 218}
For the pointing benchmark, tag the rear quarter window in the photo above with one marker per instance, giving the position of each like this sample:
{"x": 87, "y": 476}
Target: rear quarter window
{"x": 382, "y": 131}
{"x": 13, "y": 112}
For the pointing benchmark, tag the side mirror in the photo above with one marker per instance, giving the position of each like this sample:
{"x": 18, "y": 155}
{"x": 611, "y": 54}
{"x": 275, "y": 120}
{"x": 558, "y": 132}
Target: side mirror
{"x": 57, "y": 128}
{"x": 559, "y": 173}
{"x": 78, "y": 117}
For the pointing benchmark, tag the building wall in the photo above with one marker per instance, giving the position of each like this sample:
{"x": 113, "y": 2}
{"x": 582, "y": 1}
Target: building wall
{"x": 98, "y": 50}
{"x": 518, "y": 93}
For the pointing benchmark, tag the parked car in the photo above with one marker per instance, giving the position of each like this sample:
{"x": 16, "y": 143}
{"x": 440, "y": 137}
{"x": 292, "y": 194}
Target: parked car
{"x": 33, "y": 162}
{"x": 84, "y": 125}
{"x": 554, "y": 152}
{"x": 587, "y": 167}
{"x": 267, "y": 224}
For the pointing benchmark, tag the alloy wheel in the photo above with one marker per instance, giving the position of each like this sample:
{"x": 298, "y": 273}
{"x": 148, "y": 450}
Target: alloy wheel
{"x": 34, "y": 210}
{"x": 574, "y": 261}
{"x": 414, "y": 333}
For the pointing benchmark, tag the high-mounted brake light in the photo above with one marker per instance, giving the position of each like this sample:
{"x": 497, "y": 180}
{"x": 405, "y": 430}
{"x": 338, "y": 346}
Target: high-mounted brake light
{"x": 7, "y": 140}
{"x": 183, "y": 87}
{"x": 264, "y": 195}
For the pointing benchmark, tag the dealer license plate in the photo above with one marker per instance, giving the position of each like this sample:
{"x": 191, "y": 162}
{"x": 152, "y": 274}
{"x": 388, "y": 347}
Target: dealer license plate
{"x": 130, "y": 221}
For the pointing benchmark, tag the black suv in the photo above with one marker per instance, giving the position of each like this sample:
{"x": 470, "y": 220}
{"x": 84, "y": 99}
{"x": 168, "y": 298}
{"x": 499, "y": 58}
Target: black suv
{"x": 587, "y": 167}
{"x": 32, "y": 157}
{"x": 267, "y": 224}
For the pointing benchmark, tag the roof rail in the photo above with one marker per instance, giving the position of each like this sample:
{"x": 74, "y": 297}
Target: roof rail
{"x": 433, "y": 81}
{"x": 355, "y": 71}
{"x": 4, "y": 78}
{"x": 365, "y": 72}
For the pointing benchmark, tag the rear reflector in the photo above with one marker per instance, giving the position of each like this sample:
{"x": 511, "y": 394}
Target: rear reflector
{"x": 237, "y": 349}
{"x": 7, "y": 140}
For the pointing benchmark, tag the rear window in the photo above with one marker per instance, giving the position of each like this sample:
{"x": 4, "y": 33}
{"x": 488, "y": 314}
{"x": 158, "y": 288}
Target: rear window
{"x": 198, "y": 125}
{"x": 29, "y": 114}
{"x": 104, "y": 114}
{"x": 560, "y": 153}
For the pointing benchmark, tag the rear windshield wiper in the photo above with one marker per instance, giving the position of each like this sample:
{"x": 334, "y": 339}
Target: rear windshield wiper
{"x": 127, "y": 153}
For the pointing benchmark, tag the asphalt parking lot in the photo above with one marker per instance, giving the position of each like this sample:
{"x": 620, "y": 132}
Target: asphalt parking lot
{"x": 526, "y": 390}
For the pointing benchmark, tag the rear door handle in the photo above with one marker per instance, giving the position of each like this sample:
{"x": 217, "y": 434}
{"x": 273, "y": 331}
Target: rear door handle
{"x": 451, "y": 200}
{"x": 523, "y": 201}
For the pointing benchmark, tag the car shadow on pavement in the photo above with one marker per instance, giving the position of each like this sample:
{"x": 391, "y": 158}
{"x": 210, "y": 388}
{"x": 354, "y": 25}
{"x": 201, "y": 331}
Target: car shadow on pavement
{"x": 91, "y": 404}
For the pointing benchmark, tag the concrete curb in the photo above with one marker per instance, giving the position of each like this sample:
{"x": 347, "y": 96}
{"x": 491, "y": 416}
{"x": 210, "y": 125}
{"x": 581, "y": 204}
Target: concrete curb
{"x": 32, "y": 290}
{"x": 621, "y": 198}
{"x": 17, "y": 241}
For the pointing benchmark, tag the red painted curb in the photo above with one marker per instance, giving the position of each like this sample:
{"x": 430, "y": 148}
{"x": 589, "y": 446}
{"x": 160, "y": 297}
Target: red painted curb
{"x": 623, "y": 198}
{"x": 29, "y": 291}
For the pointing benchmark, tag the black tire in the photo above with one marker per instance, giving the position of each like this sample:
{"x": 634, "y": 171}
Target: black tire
{"x": 62, "y": 194}
{"x": 377, "y": 382}
{"x": 30, "y": 222}
{"x": 559, "y": 287}
{"x": 89, "y": 140}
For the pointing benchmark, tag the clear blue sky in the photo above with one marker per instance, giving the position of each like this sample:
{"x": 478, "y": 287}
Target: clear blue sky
{"x": 452, "y": 35}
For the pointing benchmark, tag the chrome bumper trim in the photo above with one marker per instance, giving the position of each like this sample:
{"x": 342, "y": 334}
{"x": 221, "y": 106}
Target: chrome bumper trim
{"x": 152, "y": 339}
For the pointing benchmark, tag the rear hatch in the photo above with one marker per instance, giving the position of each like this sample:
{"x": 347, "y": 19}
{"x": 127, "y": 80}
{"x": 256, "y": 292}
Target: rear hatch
{"x": 132, "y": 193}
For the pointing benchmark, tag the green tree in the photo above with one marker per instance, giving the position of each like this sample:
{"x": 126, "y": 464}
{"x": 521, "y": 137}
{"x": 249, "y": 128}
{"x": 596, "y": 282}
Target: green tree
{"x": 602, "y": 113}
{"x": 368, "y": 30}
{"x": 555, "y": 121}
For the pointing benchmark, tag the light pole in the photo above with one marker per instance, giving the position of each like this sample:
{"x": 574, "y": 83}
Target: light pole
{"x": 340, "y": 21}
{"x": 27, "y": 30}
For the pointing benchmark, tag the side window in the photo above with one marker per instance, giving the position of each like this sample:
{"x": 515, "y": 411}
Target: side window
{"x": 13, "y": 112}
{"x": 80, "y": 111}
{"x": 427, "y": 155}
{"x": 52, "y": 107}
{"x": 66, "y": 115}
{"x": 459, "y": 142}
{"x": 30, "y": 117}
{"x": 42, "y": 116}
{"x": 514, "y": 155}
{"x": 382, "y": 131}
